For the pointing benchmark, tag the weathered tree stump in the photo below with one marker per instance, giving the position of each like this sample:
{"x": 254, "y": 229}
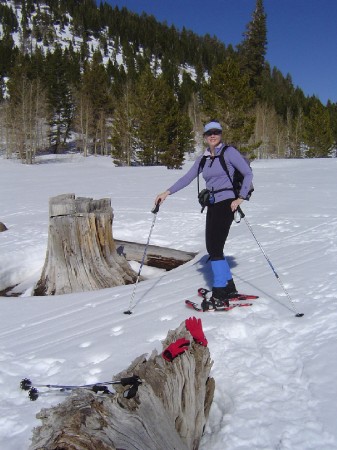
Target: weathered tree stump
{"x": 169, "y": 411}
{"x": 81, "y": 253}
{"x": 2, "y": 227}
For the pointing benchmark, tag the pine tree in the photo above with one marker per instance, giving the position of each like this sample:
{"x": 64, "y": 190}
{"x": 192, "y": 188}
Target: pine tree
{"x": 317, "y": 132}
{"x": 180, "y": 141}
{"x": 332, "y": 108}
{"x": 159, "y": 123}
{"x": 253, "y": 49}
{"x": 95, "y": 87}
{"x": 8, "y": 20}
{"x": 228, "y": 97}
{"x": 187, "y": 89}
{"x": 150, "y": 114}
{"x": 60, "y": 100}
{"x": 8, "y": 55}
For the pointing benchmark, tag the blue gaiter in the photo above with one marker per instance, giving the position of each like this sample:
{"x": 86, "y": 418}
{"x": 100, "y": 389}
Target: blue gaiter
{"x": 221, "y": 272}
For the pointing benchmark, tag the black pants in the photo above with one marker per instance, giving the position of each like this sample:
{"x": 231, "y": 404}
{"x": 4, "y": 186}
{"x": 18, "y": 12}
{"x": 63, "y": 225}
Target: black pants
{"x": 218, "y": 222}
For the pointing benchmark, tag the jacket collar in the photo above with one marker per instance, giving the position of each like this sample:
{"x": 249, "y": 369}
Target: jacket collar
{"x": 217, "y": 148}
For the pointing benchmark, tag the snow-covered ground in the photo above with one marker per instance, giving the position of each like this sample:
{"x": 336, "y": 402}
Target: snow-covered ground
{"x": 275, "y": 373}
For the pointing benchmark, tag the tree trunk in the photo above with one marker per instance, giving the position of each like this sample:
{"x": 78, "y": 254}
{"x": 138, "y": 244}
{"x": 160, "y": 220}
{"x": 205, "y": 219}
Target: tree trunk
{"x": 169, "y": 411}
{"x": 160, "y": 257}
{"x": 81, "y": 253}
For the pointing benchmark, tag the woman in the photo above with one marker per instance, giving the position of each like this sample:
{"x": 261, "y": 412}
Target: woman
{"x": 220, "y": 214}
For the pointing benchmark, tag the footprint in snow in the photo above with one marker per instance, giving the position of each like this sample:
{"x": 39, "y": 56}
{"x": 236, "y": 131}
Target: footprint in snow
{"x": 98, "y": 358}
{"x": 116, "y": 331}
{"x": 166, "y": 318}
{"x": 85, "y": 344}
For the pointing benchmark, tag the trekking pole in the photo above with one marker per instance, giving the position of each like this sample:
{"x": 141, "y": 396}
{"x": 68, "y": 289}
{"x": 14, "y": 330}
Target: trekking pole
{"x": 100, "y": 387}
{"x": 154, "y": 211}
{"x": 26, "y": 383}
{"x": 297, "y": 314}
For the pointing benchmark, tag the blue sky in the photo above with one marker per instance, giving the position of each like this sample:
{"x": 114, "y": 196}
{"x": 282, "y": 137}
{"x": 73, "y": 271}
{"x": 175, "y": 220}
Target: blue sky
{"x": 302, "y": 34}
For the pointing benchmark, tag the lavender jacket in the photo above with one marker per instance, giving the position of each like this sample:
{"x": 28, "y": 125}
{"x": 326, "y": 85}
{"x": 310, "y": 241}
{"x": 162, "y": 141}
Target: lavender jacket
{"x": 215, "y": 176}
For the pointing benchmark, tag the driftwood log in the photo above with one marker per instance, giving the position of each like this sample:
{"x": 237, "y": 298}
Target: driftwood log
{"x": 160, "y": 257}
{"x": 81, "y": 253}
{"x": 169, "y": 411}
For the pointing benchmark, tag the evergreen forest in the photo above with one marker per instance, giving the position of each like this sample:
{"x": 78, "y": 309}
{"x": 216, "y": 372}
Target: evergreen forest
{"x": 96, "y": 79}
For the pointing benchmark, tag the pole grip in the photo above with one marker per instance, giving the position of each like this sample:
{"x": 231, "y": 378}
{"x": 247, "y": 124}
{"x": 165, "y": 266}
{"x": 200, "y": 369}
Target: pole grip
{"x": 155, "y": 209}
{"x": 242, "y": 214}
{"x": 130, "y": 380}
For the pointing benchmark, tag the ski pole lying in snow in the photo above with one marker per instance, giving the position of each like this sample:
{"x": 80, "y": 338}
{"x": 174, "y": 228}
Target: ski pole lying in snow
{"x": 297, "y": 314}
{"x": 131, "y": 306}
{"x": 134, "y": 381}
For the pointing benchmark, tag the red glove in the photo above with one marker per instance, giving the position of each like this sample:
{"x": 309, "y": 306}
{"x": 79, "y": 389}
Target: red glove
{"x": 194, "y": 326}
{"x": 176, "y": 348}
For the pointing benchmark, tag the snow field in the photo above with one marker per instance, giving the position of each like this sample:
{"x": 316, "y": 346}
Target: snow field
{"x": 274, "y": 373}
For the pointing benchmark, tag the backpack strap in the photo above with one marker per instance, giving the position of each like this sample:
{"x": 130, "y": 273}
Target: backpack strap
{"x": 200, "y": 169}
{"x": 225, "y": 168}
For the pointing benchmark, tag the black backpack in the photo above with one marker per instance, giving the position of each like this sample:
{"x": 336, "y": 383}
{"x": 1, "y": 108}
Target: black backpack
{"x": 237, "y": 178}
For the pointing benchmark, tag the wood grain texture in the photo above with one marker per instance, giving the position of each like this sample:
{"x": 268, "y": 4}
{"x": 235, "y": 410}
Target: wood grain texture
{"x": 81, "y": 253}
{"x": 169, "y": 411}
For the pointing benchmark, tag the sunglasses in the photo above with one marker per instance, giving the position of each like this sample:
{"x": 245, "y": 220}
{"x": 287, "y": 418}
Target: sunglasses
{"x": 213, "y": 132}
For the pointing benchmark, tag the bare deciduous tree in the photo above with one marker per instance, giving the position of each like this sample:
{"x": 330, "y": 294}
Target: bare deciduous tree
{"x": 269, "y": 132}
{"x": 84, "y": 121}
{"x": 25, "y": 120}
